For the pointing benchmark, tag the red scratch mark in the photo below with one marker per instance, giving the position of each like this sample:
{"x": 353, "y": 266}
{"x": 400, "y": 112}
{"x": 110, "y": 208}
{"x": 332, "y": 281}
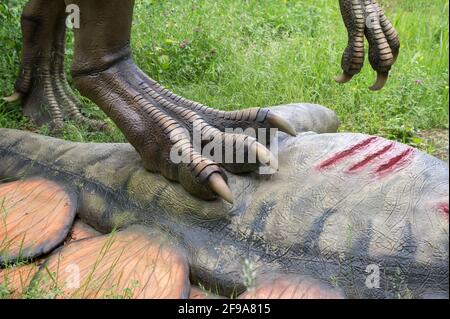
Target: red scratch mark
{"x": 347, "y": 153}
{"x": 370, "y": 158}
{"x": 395, "y": 163}
{"x": 443, "y": 208}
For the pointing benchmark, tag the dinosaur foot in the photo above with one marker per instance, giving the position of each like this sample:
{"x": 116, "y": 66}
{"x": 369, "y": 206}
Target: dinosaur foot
{"x": 364, "y": 18}
{"x": 49, "y": 99}
{"x": 183, "y": 140}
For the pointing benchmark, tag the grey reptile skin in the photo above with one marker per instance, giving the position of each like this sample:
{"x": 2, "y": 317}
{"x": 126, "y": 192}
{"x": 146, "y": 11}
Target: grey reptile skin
{"x": 340, "y": 203}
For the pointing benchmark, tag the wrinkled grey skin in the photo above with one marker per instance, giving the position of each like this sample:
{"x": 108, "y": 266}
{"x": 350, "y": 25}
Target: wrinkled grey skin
{"x": 326, "y": 223}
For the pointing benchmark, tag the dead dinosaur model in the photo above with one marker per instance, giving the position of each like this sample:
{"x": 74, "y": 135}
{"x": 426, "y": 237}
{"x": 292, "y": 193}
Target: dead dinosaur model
{"x": 366, "y": 215}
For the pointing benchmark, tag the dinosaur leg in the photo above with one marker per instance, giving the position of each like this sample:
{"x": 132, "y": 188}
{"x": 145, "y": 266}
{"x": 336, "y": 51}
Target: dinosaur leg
{"x": 46, "y": 95}
{"x": 366, "y": 18}
{"x": 158, "y": 123}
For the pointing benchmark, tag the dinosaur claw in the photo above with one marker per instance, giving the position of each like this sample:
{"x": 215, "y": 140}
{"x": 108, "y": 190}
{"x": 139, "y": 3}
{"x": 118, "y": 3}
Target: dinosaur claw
{"x": 265, "y": 156}
{"x": 382, "y": 78}
{"x": 13, "y": 98}
{"x": 272, "y": 161}
{"x": 220, "y": 187}
{"x": 343, "y": 78}
{"x": 281, "y": 124}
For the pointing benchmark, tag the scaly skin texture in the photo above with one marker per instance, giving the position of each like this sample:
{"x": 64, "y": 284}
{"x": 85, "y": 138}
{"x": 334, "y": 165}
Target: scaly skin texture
{"x": 340, "y": 203}
{"x": 153, "y": 119}
{"x": 46, "y": 95}
{"x": 366, "y": 18}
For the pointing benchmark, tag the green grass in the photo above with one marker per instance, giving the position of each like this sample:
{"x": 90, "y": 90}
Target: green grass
{"x": 267, "y": 52}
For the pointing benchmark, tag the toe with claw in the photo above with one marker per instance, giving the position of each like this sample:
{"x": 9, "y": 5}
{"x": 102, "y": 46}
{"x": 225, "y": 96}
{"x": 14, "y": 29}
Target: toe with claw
{"x": 162, "y": 127}
{"x": 41, "y": 85}
{"x": 365, "y": 18}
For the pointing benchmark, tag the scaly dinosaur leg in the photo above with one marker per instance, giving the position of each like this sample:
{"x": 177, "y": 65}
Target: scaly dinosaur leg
{"x": 366, "y": 18}
{"x": 46, "y": 95}
{"x": 155, "y": 121}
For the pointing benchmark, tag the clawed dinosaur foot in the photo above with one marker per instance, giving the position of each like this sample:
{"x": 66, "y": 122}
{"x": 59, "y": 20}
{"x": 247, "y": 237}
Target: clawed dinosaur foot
{"x": 366, "y": 18}
{"x": 163, "y": 128}
{"x": 159, "y": 124}
{"x": 49, "y": 99}
{"x": 42, "y": 85}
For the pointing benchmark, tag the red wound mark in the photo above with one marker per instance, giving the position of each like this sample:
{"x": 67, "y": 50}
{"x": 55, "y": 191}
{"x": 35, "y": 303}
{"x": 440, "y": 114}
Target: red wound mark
{"x": 370, "y": 158}
{"x": 395, "y": 163}
{"x": 339, "y": 157}
{"x": 443, "y": 208}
